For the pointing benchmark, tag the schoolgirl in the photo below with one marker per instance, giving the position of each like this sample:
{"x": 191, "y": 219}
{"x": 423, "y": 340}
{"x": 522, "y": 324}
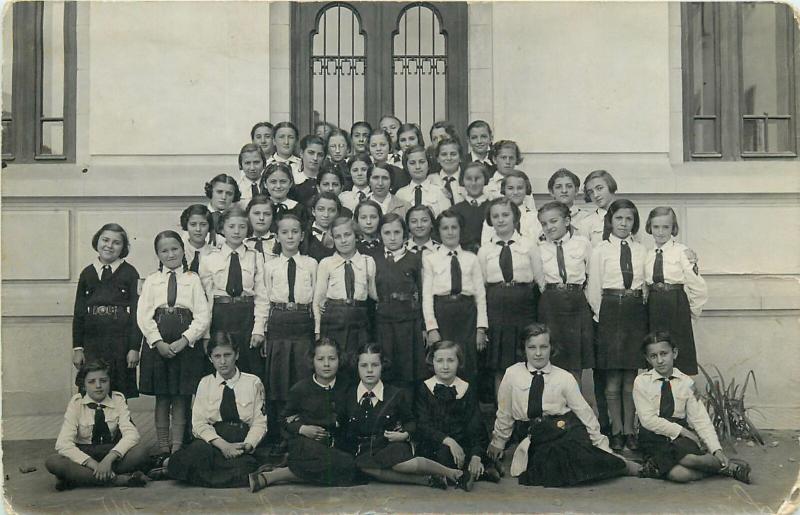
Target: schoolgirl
{"x": 380, "y": 423}
{"x": 338, "y": 150}
{"x": 450, "y": 427}
{"x": 318, "y": 242}
{"x": 453, "y": 294}
{"x": 262, "y": 135}
{"x": 448, "y": 155}
{"x": 512, "y": 270}
{"x": 278, "y": 180}
{"x": 391, "y": 124}
{"x": 563, "y": 306}
{"x": 314, "y": 420}
{"x": 289, "y": 333}
{"x": 398, "y": 315}
{"x": 676, "y": 436}
{"x": 104, "y": 318}
{"x": 98, "y": 445}
{"x": 563, "y": 186}
{"x": 222, "y": 192}
{"x": 196, "y": 222}
{"x": 517, "y": 188}
{"x": 324, "y": 129}
{"x": 344, "y": 282}
{"x": 312, "y": 153}
{"x": 260, "y": 215}
{"x": 439, "y": 131}
{"x": 359, "y": 137}
{"x": 173, "y": 316}
{"x": 380, "y": 150}
{"x": 473, "y": 207}
{"x": 367, "y": 216}
{"x": 600, "y": 188}
{"x": 233, "y": 279}
{"x": 285, "y": 140}
{"x": 421, "y": 191}
{"x": 228, "y": 422}
{"x": 360, "y": 168}
{"x": 329, "y": 181}
{"x": 409, "y": 135}
{"x": 563, "y": 445}
{"x": 479, "y": 135}
{"x": 615, "y": 293}
{"x": 419, "y": 220}
{"x": 251, "y": 165}
{"x": 380, "y": 181}
{"x": 506, "y": 157}
{"x": 677, "y": 293}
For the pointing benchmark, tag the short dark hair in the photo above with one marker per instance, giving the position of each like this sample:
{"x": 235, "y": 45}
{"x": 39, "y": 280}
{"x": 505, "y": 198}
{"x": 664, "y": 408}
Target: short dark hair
{"x": 662, "y": 211}
{"x": 621, "y": 203}
{"x": 113, "y": 227}
{"x": 389, "y": 218}
{"x": 194, "y": 209}
{"x": 479, "y": 123}
{"x": 537, "y": 329}
{"x": 443, "y": 345}
{"x": 252, "y": 147}
{"x": 323, "y": 341}
{"x": 563, "y": 172}
{"x": 599, "y": 174}
{"x": 221, "y": 339}
{"x": 95, "y": 365}
{"x": 507, "y": 143}
{"x": 654, "y": 337}
{"x": 502, "y": 201}
{"x": 261, "y": 124}
{"x": 225, "y": 179}
{"x": 370, "y": 348}
{"x": 450, "y": 213}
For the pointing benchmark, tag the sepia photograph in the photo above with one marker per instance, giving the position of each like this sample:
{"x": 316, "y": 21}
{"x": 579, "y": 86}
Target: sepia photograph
{"x": 415, "y": 257}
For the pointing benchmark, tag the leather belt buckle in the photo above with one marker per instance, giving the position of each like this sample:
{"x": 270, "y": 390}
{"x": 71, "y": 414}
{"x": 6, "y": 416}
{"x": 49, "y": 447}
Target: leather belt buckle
{"x": 102, "y": 310}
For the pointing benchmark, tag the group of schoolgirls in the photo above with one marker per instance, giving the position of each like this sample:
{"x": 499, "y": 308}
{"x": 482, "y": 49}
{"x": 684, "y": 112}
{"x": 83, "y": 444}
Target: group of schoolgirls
{"x": 363, "y": 297}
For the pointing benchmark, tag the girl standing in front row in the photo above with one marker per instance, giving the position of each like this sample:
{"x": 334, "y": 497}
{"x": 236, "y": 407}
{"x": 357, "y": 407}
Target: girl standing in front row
{"x": 173, "y": 317}
{"x": 615, "y": 292}
{"x": 233, "y": 279}
{"x": 104, "y": 318}
{"x": 677, "y": 293}
{"x": 453, "y": 294}
{"x": 563, "y": 305}
{"x": 563, "y": 445}
{"x": 196, "y": 222}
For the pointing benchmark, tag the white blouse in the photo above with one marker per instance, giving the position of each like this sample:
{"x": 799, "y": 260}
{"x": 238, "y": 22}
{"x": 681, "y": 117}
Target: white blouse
{"x": 525, "y": 256}
{"x": 529, "y": 226}
{"x": 605, "y": 271}
{"x": 190, "y": 295}
{"x": 330, "y": 283}
{"x": 432, "y": 196}
{"x": 678, "y": 270}
{"x": 577, "y": 256}
{"x": 276, "y": 278}
{"x": 436, "y": 281}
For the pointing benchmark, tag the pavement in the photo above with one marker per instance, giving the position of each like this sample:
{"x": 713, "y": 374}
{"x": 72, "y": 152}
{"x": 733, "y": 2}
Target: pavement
{"x": 775, "y": 474}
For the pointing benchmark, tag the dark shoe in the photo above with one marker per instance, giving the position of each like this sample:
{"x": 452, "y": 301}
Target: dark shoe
{"x": 267, "y": 467}
{"x": 258, "y": 481}
{"x": 437, "y": 482}
{"x": 606, "y": 430}
{"x": 491, "y": 475}
{"x": 63, "y": 484}
{"x": 738, "y": 470}
{"x": 137, "y": 480}
{"x": 649, "y": 470}
{"x": 631, "y": 442}
{"x": 158, "y": 460}
{"x": 617, "y": 442}
{"x": 158, "y": 474}
{"x": 466, "y": 481}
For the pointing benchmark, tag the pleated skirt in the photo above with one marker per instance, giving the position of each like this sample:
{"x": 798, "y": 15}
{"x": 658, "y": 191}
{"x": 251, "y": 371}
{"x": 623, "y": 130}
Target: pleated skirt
{"x": 623, "y": 325}
{"x": 569, "y": 319}
{"x": 290, "y": 335}
{"x": 669, "y": 311}
{"x": 509, "y": 309}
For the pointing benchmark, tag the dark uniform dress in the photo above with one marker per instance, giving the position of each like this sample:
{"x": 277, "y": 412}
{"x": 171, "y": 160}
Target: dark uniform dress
{"x": 104, "y": 322}
{"x": 474, "y": 217}
{"x": 440, "y": 414}
{"x": 314, "y": 248}
{"x": 366, "y": 424}
{"x": 319, "y": 462}
{"x": 282, "y": 208}
{"x": 372, "y": 248}
{"x": 304, "y": 192}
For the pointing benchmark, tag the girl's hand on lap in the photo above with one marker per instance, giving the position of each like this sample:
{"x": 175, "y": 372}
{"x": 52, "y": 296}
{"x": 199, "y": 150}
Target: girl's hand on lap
{"x": 164, "y": 349}
{"x": 476, "y": 467}
{"x": 396, "y": 436}
{"x": 229, "y": 450}
{"x": 178, "y": 345}
{"x": 456, "y": 451}
{"x": 103, "y": 471}
{"x": 313, "y": 432}
{"x": 495, "y": 453}
{"x": 77, "y": 358}
{"x": 256, "y": 340}
{"x": 723, "y": 459}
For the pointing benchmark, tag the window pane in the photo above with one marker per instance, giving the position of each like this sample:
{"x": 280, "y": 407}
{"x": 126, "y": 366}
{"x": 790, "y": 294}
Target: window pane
{"x": 53, "y": 59}
{"x": 52, "y": 139}
{"x": 705, "y": 137}
{"x": 767, "y": 135}
{"x": 702, "y": 27}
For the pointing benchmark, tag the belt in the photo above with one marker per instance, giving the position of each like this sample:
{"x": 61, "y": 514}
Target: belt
{"x": 244, "y": 299}
{"x": 457, "y": 296}
{"x": 108, "y": 310}
{"x": 400, "y": 297}
{"x": 509, "y": 284}
{"x": 173, "y": 310}
{"x": 620, "y": 292}
{"x": 348, "y": 302}
{"x": 290, "y": 306}
{"x": 666, "y": 286}
{"x": 564, "y": 286}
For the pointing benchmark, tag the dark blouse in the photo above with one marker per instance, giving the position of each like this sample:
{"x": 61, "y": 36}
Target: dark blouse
{"x": 393, "y": 413}
{"x": 474, "y": 216}
{"x": 311, "y": 404}
{"x": 403, "y": 276}
{"x": 372, "y": 248}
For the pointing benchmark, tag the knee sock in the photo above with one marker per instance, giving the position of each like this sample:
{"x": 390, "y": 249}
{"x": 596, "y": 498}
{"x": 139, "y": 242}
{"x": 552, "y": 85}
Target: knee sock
{"x": 162, "y": 422}
{"x": 613, "y": 397}
{"x": 629, "y": 408}
{"x": 179, "y": 404}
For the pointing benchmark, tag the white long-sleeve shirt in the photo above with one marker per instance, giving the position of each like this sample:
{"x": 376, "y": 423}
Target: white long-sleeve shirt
{"x": 190, "y": 295}
{"x": 436, "y": 281}
{"x": 678, "y": 270}
{"x": 605, "y": 271}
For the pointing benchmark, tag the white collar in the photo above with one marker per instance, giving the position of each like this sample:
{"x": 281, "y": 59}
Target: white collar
{"x": 324, "y": 387}
{"x": 289, "y": 203}
{"x": 545, "y": 370}
{"x": 377, "y": 390}
{"x": 226, "y": 250}
{"x": 480, "y": 199}
{"x": 230, "y": 382}
{"x": 460, "y": 384}
{"x": 398, "y": 254}
{"x": 516, "y": 236}
{"x": 98, "y": 265}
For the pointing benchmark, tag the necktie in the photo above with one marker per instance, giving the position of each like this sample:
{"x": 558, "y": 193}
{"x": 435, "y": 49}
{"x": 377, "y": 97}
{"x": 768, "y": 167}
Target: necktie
{"x": 455, "y": 274}
{"x": 396, "y": 158}
{"x": 259, "y": 246}
{"x": 416, "y": 248}
{"x": 172, "y": 290}
{"x": 214, "y": 229}
{"x": 449, "y": 188}
{"x": 318, "y": 232}
{"x": 666, "y": 408}
{"x": 291, "y": 274}
{"x": 418, "y": 196}
{"x": 361, "y": 195}
{"x": 234, "y": 286}
{"x": 195, "y": 266}
{"x": 535, "y": 395}
{"x": 280, "y": 209}
{"x": 366, "y": 400}
{"x": 100, "y": 432}
{"x": 506, "y": 261}
{"x": 562, "y": 266}
{"x": 349, "y": 280}
{"x": 473, "y": 202}
{"x": 254, "y": 189}
{"x": 389, "y": 257}
{"x": 227, "y": 407}
{"x": 444, "y": 392}
{"x": 658, "y": 267}
{"x": 106, "y": 275}
{"x": 625, "y": 264}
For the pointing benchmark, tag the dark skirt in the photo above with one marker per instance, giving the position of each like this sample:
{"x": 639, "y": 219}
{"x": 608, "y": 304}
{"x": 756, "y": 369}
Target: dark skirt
{"x": 176, "y": 376}
{"x": 666, "y": 453}
{"x": 107, "y": 338}
{"x": 290, "y": 335}
{"x": 320, "y": 464}
{"x": 347, "y": 325}
{"x": 399, "y": 332}
{"x": 669, "y": 311}
{"x": 564, "y": 456}
{"x": 202, "y": 464}
{"x": 237, "y": 320}
{"x": 622, "y": 327}
{"x": 383, "y": 456}
{"x": 457, "y": 317}
{"x": 569, "y": 319}
{"x": 510, "y": 309}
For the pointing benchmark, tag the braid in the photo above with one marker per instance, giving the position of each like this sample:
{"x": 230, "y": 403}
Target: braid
{"x": 185, "y": 264}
